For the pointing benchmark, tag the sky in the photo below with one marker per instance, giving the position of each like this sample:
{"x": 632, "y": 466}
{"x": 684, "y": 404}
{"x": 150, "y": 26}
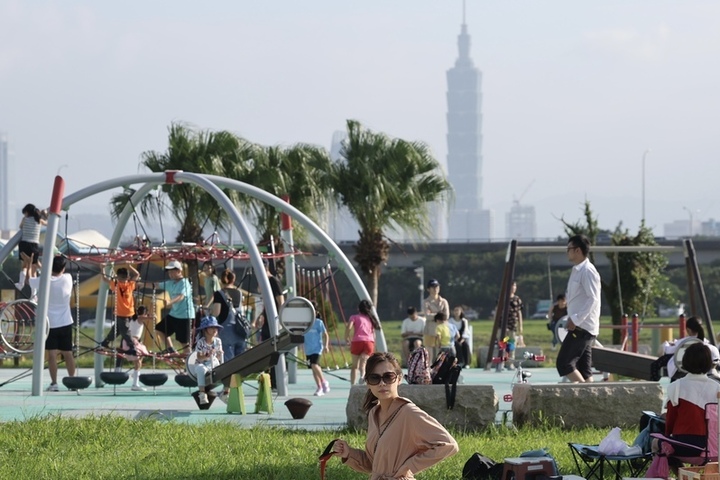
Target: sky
{"x": 574, "y": 93}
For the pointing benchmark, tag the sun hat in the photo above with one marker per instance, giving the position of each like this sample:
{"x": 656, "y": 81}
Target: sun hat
{"x": 173, "y": 265}
{"x": 208, "y": 322}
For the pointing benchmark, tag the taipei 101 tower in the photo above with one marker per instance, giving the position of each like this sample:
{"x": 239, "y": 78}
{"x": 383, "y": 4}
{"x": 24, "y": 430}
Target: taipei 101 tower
{"x": 468, "y": 220}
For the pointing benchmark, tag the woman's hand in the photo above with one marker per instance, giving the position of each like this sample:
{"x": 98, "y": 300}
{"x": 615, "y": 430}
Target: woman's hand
{"x": 341, "y": 449}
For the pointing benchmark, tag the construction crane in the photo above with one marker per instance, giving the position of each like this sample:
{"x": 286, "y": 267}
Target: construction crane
{"x": 517, "y": 201}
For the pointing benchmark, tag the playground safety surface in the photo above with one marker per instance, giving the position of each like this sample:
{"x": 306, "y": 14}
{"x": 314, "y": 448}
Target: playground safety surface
{"x": 173, "y": 402}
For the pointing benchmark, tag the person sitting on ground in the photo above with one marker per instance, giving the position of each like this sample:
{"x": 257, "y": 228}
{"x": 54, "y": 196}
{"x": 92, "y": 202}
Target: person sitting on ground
{"x": 209, "y": 353}
{"x": 123, "y": 287}
{"x": 316, "y": 341}
{"x": 445, "y": 334}
{"x": 402, "y": 439}
{"x": 131, "y": 344}
{"x": 686, "y": 402}
{"x": 411, "y": 331}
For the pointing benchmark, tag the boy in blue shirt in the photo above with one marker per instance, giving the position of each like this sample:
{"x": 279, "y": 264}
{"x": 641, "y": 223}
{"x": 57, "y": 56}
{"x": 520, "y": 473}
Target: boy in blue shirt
{"x": 316, "y": 340}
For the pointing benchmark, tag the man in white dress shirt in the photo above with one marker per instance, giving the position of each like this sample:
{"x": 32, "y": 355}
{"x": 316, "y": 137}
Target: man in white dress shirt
{"x": 574, "y": 360}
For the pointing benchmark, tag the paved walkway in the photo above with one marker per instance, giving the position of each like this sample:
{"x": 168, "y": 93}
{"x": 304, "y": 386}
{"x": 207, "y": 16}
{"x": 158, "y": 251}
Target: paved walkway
{"x": 173, "y": 402}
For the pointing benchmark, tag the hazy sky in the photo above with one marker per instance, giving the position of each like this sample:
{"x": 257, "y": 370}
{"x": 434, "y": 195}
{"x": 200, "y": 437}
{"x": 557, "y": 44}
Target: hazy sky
{"x": 573, "y": 92}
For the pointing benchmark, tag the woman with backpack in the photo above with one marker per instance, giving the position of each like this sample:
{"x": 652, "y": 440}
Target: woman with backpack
{"x": 362, "y": 326}
{"x": 402, "y": 439}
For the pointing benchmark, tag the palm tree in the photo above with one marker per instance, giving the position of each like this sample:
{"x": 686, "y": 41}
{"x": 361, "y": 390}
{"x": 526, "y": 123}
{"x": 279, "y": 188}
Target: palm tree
{"x": 386, "y": 184}
{"x": 299, "y": 171}
{"x": 190, "y": 150}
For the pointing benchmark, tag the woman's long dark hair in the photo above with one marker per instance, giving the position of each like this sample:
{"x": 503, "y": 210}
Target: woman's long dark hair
{"x": 695, "y": 324}
{"x": 365, "y": 307}
{"x": 373, "y": 361}
{"x": 32, "y": 211}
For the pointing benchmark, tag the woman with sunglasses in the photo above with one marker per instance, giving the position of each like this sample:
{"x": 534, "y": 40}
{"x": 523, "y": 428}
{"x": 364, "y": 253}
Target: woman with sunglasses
{"x": 402, "y": 439}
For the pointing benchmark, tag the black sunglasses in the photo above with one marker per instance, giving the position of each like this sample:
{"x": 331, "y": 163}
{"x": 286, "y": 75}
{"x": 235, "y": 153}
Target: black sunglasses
{"x": 374, "y": 378}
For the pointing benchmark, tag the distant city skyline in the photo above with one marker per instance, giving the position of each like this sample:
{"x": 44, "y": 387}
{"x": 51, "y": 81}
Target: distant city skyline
{"x": 574, "y": 93}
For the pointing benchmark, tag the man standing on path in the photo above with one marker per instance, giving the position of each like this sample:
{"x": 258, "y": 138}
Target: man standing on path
{"x": 574, "y": 360}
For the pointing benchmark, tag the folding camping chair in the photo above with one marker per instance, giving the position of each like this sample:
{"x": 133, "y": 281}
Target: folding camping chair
{"x": 704, "y": 455}
{"x": 593, "y": 465}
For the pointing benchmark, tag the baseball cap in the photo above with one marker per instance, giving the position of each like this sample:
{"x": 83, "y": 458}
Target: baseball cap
{"x": 173, "y": 265}
{"x": 433, "y": 283}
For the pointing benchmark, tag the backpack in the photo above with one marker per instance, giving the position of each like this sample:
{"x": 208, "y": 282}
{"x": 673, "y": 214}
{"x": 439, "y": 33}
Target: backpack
{"x": 446, "y": 371}
{"x": 479, "y": 467}
{"x": 419, "y": 367}
{"x": 440, "y": 370}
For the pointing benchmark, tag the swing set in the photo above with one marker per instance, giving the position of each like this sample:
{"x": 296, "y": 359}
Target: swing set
{"x": 142, "y": 251}
{"x": 605, "y": 359}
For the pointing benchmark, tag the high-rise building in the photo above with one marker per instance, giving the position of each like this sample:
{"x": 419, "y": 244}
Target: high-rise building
{"x": 520, "y": 222}
{"x": 468, "y": 219}
{"x": 6, "y": 223}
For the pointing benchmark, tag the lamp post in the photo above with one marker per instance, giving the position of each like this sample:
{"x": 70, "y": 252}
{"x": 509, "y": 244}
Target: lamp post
{"x": 645, "y": 153}
{"x": 420, "y": 273}
{"x": 690, "y": 213}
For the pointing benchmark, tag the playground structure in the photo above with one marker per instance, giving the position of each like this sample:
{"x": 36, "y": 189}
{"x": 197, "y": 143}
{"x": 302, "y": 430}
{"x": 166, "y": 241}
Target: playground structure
{"x": 212, "y": 185}
{"x": 621, "y": 362}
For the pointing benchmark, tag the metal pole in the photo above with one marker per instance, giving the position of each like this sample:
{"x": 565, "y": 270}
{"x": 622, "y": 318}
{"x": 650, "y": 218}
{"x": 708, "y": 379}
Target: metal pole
{"x": 286, "y": 233}
{"x": 44, "y": 287}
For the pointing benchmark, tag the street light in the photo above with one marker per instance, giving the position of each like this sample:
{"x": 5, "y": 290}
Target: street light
{"x": 643, "y": 183}
{"x": 420, "y": 273}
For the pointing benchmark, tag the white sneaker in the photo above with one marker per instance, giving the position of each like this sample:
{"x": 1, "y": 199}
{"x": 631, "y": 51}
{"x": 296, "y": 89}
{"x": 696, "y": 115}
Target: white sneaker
{"x": 319, "y": 392}
{"x": 223, "y": 397}
{"x": 53, "y": 388}
{"x": 138, "y": 388}
{"x": 326, "y": 387}
{"x": 203, "y": 398}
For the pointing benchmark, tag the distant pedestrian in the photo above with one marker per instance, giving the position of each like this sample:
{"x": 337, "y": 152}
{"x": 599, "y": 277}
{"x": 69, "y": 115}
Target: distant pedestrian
{"x": 514, "y": 324}
{"x": 557, "y": 311}
{"x": 315, "y": 343}
{"x": 362, "y": 327}
{"x": 433, "y": 304}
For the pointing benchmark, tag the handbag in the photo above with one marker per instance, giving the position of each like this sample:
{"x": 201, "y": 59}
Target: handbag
{"x": 241, "y": 326}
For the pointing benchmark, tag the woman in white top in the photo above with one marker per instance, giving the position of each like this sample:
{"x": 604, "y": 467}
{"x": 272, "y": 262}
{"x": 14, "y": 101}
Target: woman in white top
{"x": 694, "y": 331}
{"x": 462, "y": 346}
{"x": 411, "y": 332}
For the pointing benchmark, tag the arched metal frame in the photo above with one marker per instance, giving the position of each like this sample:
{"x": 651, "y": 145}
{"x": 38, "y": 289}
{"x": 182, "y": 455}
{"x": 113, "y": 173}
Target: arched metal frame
{"x": 211, "y": 184}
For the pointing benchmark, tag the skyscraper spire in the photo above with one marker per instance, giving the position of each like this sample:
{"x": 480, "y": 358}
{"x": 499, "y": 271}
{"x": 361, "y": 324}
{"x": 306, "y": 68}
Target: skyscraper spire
{"x": 468, "y": 219}
{"x": 463, "y": 45}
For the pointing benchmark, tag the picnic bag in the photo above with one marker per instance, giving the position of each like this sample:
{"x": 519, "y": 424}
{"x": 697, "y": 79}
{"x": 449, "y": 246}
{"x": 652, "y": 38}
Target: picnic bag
{"x": 479, "y": 467}
{"x": 419, "y": 367}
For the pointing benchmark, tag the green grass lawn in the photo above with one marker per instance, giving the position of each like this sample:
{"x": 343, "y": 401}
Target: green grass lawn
{"x": 117, "y": 448}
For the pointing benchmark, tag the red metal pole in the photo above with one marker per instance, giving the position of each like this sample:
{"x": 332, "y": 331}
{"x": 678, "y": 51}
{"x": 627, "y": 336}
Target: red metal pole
{"x": 635, "y": 332}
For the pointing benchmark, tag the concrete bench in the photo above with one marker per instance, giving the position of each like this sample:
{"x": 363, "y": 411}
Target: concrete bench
{"x": 519, "y": 352}
{"x": 577, "y": 405}
{"x": 475, "y": 405}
